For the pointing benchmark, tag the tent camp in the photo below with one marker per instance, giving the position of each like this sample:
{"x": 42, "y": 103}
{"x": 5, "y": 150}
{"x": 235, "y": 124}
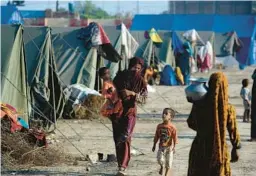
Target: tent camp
{"x": 217, "y": 24}
{"x": 45, "y": 85}
{"x": 14, "y": 87}
{"x": 32, "y": 79}
{"x": 76, "y": 63}
{"x": 126, "y": 46}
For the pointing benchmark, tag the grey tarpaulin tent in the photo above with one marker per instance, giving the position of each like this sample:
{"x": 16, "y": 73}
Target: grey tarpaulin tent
{"x": 43, "y": 79}
{"x": 77, "y": 64}
{"x": 14, "y": 88}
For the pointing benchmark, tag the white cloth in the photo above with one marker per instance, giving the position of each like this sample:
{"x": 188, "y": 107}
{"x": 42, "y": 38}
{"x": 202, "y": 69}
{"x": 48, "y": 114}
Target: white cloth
{"x": 151, "y": 89}
{"x": 165, "y": 156}
{"x": 192, "y": 36}
{"x": 204, "y": 50}
{"x": 83, "y": 92}
{"x": 193, "y": 66}
{"x": 131, "y": 45}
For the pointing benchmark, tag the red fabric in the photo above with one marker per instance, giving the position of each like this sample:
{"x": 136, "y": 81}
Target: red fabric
{"x": 113, "y": 104}
{"x": 11, "y": 113}
{"x": 125, "y": 125}
{"x": 103, "y": 35}
{"x": 206, "y": 64}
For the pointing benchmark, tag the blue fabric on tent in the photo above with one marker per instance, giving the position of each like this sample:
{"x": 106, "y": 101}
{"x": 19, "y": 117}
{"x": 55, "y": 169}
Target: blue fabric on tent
{"x": 10, "y": 15}
{"x": 177, "y": 44}
{"x": 184, "y": 66}
{"x": 242, "y": 24}
{"x": 168, "y": 77}
{"x": 32, "y": 13}
{"x": 252, "y": 50}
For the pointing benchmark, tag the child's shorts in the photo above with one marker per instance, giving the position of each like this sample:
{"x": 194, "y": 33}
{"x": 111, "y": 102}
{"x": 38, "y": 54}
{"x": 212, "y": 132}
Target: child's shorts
{"x": 165, "y": 156}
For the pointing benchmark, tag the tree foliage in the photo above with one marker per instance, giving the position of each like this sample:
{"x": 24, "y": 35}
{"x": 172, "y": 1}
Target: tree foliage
{"x": 89, "y": 10}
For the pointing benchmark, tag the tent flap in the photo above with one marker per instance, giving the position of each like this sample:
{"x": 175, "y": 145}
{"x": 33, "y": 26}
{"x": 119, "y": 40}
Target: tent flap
{"x": 14, "y": 88}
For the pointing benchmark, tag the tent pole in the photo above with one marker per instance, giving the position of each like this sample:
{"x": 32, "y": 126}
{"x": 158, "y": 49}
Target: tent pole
{"x": 97, "y": 68}
{"x": 54, "y": 105}
{"x": 153, "y": 52}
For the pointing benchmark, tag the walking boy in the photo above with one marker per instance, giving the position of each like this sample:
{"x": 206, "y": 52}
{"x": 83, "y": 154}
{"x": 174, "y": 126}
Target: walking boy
{"x": 166, "y": 133}
{"x": 246, "y": 96}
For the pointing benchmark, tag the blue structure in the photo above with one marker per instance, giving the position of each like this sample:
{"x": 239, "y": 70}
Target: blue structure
{"x": 11, "y": 15}
{"x": 32, "y": 13}
{"x": 242, "y": 24}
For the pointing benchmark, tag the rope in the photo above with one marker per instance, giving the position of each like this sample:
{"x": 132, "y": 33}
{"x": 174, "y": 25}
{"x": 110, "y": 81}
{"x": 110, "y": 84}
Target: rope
{"x": 41, "y": 113}
{"x": 97, "y": 115}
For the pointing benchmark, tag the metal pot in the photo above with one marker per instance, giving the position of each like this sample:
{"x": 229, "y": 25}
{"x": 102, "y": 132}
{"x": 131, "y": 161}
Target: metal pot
{"x": 196, "y": 90}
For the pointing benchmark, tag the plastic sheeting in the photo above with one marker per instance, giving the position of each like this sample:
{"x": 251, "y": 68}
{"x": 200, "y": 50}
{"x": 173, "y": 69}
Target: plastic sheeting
{"x": 168, "y": 77}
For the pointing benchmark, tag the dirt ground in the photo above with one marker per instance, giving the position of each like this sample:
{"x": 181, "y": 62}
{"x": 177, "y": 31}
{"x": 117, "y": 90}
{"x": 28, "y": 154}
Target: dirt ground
{"x": 92, "y": 137}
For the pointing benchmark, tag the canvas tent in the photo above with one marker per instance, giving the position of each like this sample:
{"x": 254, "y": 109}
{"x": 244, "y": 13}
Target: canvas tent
{"x": 34, "y": 73}
{"x": 43, "y": 79}
{"x": 76, "y": 63}
{"x": 14, "y": 87}
{"x": 126, "y": 46}
{"x": 148, "y": 49}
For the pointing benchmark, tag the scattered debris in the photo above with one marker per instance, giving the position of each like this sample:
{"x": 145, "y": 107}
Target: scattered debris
{"x": 111, "y": 158}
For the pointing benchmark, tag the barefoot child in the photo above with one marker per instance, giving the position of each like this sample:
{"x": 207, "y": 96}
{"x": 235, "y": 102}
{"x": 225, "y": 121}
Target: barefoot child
{"x": 245, "y": 94}
{"x": 167, "y": 135}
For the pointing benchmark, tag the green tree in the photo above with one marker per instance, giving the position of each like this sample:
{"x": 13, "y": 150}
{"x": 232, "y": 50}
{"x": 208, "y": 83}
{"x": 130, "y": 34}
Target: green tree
{"x": 89, "y": 10}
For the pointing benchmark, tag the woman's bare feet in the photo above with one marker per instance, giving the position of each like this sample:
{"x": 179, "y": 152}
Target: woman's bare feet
{"x": 161, "y": 170}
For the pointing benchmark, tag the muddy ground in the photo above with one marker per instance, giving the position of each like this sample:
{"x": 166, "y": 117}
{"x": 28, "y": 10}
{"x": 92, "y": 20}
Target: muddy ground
{"x": 92, "y": 137}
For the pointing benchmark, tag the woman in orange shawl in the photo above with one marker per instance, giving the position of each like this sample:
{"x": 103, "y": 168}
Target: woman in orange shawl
{"x": 211, "y": 118}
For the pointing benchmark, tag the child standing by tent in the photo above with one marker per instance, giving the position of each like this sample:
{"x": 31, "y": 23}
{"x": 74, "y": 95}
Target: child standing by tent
{"x": 167, "y": 134}
{"x": 245, "y": 94}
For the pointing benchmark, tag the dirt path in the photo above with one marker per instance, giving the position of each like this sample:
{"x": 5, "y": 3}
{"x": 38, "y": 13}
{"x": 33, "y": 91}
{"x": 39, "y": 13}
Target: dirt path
{"x": 92, "y": 137}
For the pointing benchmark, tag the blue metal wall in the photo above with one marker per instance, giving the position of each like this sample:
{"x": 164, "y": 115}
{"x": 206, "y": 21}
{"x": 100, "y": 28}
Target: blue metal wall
{"x": 242, "y": 24}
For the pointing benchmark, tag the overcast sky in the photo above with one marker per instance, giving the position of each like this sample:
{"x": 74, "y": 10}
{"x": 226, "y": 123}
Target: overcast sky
{"x": 153, "y": 7}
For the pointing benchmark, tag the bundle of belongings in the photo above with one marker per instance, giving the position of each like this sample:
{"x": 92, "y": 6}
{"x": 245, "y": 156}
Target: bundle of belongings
{"x": 94, "y": 36}
{"x": 83, "y": 102}
{"x": 12, "y": 123}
